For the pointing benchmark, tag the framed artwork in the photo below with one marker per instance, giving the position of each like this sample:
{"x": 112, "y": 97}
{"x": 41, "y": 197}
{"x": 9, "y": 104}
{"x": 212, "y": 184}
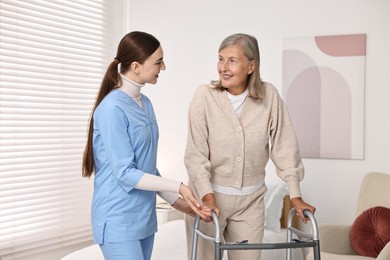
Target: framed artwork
{"x": 323, "y": 87}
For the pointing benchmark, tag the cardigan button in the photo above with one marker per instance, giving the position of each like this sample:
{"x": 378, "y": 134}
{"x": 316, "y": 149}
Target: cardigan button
{"x": 237, "y": 181}
{"x": 239, "y": 158}
{"x": 239, "y": 128}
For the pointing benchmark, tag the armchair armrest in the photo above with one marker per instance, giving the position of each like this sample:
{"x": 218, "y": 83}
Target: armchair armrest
{"x": 335, "y": 239}
{"x": 385, "y": 253}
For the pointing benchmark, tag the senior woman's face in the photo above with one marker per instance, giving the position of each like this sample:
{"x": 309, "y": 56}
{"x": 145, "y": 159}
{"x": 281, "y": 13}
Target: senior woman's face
{"x": 234, "y": 69}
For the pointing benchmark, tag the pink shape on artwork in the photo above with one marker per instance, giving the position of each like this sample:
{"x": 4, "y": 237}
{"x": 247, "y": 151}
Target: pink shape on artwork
{"x": 319, "y": 102}
{"x": 336, "y": 128}
{"x": 342, "y": 45}
{"x": 304, "y": 103}
{"x": 302, "y": 92}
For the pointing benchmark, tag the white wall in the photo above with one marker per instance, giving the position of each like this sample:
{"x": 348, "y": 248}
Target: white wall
{"x": 190, "y": 33}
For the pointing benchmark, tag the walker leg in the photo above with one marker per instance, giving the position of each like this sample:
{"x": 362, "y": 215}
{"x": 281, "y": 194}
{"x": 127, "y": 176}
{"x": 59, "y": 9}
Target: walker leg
{"x": 195, "y": 239}
{"x": 316, "y": 250}
{"x": 218, "y": 251}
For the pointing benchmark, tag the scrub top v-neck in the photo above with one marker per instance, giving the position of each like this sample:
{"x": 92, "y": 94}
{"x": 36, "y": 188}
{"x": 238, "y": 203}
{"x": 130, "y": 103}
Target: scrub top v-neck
{"x": 125, "y": 138}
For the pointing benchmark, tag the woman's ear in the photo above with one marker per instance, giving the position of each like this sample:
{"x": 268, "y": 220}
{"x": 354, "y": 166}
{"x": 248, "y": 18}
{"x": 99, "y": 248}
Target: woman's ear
{"x": 135, "y": 66}
{"x": 251, "y": 67}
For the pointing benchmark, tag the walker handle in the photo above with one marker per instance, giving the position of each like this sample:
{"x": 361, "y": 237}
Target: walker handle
{"x": 197, "y": 231}
{"x": 217, "y": 237}
{"x": 314, "y": 235}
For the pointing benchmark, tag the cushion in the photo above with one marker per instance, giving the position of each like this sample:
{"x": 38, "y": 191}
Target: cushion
{"x": 370, "y": 232}
{"x": 273, "y": 203}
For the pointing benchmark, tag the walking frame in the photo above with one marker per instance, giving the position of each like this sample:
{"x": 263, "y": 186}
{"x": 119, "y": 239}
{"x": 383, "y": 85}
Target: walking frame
{"x": 310, "y": 239}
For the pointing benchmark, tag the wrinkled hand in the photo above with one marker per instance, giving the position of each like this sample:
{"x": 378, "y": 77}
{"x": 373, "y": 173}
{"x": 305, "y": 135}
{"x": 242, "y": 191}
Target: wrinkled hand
{"x": 192, "y": 204}
{"x": 300, "y": 206}
{"x": 210, "y": 202}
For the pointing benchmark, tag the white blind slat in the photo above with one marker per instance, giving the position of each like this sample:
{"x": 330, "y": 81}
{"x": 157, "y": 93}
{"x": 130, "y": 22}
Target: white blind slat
{"x": 25, "y": 27}
{"x": 39, "y": 12}
{"x": 49, "y": 43}
{"x": 94, "y": 7}
{"x": 74, "y": 78}
{"x": 8, "y": 60}
{"x": 25, "y": 50}
{"x": 44, "y": 68}
{"x": 41, "y": 168}
{"x": 46, "y": 90}
{"x": 52, "y": 59}
{"x": 39, "y": 246}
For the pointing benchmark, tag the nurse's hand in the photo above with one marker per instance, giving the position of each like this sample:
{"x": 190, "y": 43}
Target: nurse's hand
{"x": 182, "y": 206}
{"x": 188, "y": 196}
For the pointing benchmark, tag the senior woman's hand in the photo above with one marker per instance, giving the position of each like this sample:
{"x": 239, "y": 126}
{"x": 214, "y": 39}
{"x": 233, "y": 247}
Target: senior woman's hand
{"x": 300, "y": 206}
{"x": 210, "y": 202}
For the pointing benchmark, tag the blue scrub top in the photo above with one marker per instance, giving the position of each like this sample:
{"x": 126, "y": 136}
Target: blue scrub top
{"x": 125, "y": 138}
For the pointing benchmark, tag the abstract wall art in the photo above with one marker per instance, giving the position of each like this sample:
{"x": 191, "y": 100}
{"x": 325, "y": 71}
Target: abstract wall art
{"x": 323, "y": 87}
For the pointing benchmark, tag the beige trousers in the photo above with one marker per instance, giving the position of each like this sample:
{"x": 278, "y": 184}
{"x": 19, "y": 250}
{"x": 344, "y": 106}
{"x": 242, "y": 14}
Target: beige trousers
{"x": 241, "y": 218}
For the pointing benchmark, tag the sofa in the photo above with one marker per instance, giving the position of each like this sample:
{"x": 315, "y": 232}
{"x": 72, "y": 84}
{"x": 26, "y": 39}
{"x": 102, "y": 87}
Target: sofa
{"x": 341, "y": 242}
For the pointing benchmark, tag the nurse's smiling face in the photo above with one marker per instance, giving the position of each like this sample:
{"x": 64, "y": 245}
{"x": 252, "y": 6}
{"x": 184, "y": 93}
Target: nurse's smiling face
{"x": 150, "y": 69}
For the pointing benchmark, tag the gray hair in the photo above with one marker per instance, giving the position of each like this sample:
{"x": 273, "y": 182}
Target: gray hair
{"x": 250, "y": 48}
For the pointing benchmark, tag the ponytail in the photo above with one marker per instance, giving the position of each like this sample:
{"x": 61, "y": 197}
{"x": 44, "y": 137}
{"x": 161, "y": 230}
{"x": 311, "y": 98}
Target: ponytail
{"x": 109, "y": 82}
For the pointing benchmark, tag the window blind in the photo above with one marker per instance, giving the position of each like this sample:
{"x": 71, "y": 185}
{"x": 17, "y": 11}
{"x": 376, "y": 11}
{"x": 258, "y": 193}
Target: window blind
{"x": 52, "y": 59}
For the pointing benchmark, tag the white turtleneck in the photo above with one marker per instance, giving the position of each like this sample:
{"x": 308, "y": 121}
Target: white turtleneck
{"x": 132, "y": 88}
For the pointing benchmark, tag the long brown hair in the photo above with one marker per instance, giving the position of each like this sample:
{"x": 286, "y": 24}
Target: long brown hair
{"x": 134, "y": 46}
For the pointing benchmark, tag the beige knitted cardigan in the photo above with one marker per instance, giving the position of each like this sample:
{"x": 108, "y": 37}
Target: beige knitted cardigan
{"x": 230, "y": 151}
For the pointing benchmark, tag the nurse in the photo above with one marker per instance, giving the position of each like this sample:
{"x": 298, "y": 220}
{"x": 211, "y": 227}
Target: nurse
{"x": 121, "y": 151}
